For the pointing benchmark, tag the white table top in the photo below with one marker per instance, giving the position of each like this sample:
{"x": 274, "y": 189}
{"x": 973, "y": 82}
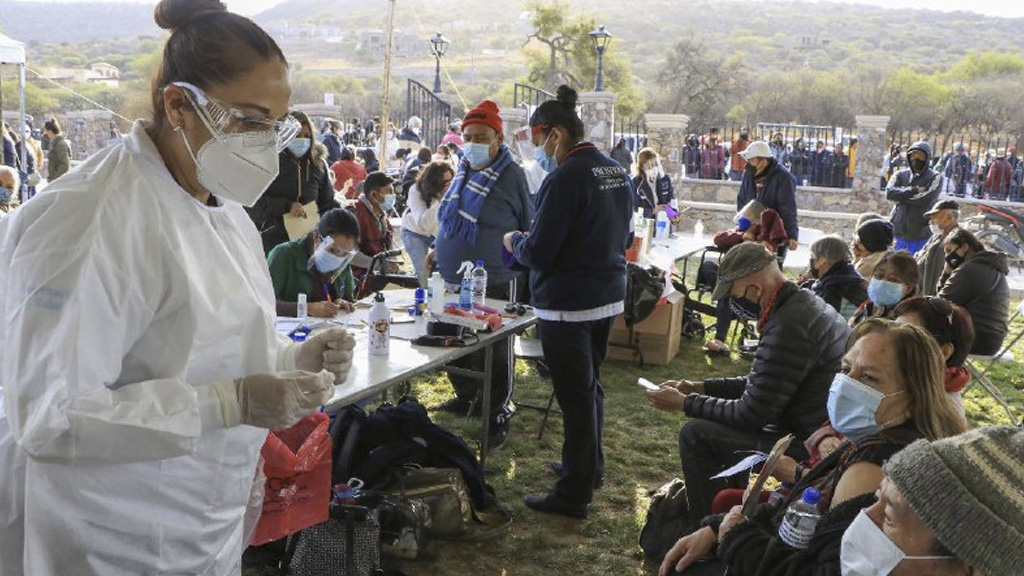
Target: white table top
{"x": 371, "y": 375}
{"x": 664, "y": 252}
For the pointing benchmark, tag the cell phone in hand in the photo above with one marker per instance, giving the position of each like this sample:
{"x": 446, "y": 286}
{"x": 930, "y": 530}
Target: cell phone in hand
{"x": 645, "y": 383}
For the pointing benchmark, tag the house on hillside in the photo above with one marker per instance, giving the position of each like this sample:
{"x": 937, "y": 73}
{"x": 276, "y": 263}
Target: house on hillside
{"x": 375, "y": 42}
{"x": 97, "y": 73}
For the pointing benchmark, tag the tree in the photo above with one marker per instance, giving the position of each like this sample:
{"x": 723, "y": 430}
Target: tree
{"x": 696, "y": 81}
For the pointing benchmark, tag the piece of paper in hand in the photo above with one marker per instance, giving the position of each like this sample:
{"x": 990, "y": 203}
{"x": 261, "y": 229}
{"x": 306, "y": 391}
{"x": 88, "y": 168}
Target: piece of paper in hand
{"x": 753, "y": 497}
{"x": 745, "y": 464}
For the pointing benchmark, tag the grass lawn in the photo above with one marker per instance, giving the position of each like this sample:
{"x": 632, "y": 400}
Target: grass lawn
{"x": 641, "y": 455}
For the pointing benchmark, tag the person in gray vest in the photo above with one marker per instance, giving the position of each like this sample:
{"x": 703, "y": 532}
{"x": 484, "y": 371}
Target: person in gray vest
{"x": 944, "y": 218}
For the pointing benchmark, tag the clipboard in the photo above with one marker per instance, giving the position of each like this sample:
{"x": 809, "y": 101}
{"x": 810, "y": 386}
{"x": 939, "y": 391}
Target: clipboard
{"x": 754, "y": 495}
{"x": 298, "y": 227}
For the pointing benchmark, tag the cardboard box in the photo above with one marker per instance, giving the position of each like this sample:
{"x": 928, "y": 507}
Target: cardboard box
{"x": 658, "y": 336}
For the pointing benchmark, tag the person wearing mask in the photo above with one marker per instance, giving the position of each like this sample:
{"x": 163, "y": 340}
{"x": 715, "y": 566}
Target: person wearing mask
{"x": 893, "y": 280}
{"x": 10, "y": 183}
{"x": 768, "y": 182}
{"x": 958, "y": 170}
{"x": 652, "y": 188}
{"x": 834, "y": 279}
{"x": 802, "y": 340}
{"x": 737, "y": 162}
{"x": 372, "y": 210}
{"x": 779, "y": 150}
{"x": 819, "y": 163}
{"x": 931, "y": 259}
{"x": 800, "y": 162}
{"x": 712, "y": 159}
{"x": 872, "y": 242}
{"x": 140, "y": 365}
{"x": 332, "y": 142}
{"x": 412, "y": 170}
{"x": 997, "y": 178}
{"x": 945, "y": 508}
{"x": 575, "y": 251}
{"x": 913, "y": 189}
{"x": 488, "y": 197}
{"x": 692, "y": 157}
{"x": 888, "y": 395}
{"x": 317, "y": 265}
{"x": 302, "y": 183}
{"x": 411, "y": 134}
{"x": 953, "y": 330}
{"x": 621, "y": 154}
{"x": 454, "y": 135}
{"x": 419, "y": 223}
{"x": 975, "y": 278}
{"x": 348, "y": 173}
{"x": 58, "y": 160}
{"x": 838, "y": 167}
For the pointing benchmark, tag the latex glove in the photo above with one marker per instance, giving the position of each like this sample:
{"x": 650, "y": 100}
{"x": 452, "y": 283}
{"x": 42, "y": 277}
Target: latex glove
{"x": 329, "y": 350}
{"x": 274, "y": 401}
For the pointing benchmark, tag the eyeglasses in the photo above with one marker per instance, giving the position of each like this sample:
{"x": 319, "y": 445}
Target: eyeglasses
{"x": 222, "y": 119}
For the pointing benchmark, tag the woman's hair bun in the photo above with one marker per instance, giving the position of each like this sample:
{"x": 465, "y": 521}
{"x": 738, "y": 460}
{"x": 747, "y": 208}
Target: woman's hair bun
{"x": 173, "y": 14}
{"x": 567, "y": 96}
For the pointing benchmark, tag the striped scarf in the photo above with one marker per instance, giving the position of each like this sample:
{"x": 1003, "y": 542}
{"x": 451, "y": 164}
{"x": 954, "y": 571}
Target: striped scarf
{"x": 464, "y": 200}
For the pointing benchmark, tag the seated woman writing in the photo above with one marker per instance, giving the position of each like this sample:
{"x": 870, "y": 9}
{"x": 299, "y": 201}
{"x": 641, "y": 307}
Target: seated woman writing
{"x": 889, "y": 393}
{"x": 317, "y": 265}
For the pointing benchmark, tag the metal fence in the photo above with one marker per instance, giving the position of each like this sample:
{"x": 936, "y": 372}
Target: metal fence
{"x": 981, "y": 174}
{"x": 435, "y": 112}
{"x": 529, "y": 97}
{"x": 633, "y": 131}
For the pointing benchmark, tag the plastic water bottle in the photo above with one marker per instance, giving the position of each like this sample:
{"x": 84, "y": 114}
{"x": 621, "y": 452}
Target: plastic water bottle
{"x": 801, "y": 520}
{"x": 479, "y": 284}
{"x": 301, "y": 308}
{"x": 466, "y": 288}
{"x": 661, "y": 225}
{"x": 435, "y": 294}
{"x": 698, "y": 229}
{"x": 379, "y": 319}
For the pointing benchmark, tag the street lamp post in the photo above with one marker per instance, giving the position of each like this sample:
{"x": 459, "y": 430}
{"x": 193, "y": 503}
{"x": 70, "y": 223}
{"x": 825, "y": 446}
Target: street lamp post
{"x": 601, "y": 39}
{"x": 438, "y": 46}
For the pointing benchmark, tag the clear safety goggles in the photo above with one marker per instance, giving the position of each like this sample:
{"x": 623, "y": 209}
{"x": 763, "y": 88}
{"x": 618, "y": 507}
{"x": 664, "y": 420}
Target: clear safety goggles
{"x": 222, "y": 119}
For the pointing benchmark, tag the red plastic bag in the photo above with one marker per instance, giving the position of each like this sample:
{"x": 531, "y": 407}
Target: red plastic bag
{"x": 298, "y": 469}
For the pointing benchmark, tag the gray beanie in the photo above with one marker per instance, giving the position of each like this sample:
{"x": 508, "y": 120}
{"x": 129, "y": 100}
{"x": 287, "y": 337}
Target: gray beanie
{"x": 967, "y": 490}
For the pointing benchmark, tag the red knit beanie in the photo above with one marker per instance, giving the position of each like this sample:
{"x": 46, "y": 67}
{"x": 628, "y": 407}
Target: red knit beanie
{"x": 485, "y": 113}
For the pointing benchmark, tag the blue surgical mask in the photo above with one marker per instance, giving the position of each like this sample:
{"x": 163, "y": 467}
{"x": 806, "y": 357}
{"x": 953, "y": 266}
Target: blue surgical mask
{"x": 852, "y": 407}
{"x": 477, "y": 155}
{"x": 885, "y": 293}
{"x": 5, "y": 195}
{"x": 742, "y": 223}
{"x": 547, "y": 163}
{"x": 327, "y": 261}
{"x": 389, "y": 203}
{"x": 299, "y": 146}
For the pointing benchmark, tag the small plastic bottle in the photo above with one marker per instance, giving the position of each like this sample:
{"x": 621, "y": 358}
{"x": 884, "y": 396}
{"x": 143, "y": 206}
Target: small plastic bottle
{"x": 466, "y": 288}
{"x": 301, "y": 309}
{"x": 479, "y": 284}
{"x": 801, "y": 520}
{"x": 379, "y": 319}
{"x": 698, "y": 229}
{"x": 435, "y": 294}
{"x": 661, "y": 225}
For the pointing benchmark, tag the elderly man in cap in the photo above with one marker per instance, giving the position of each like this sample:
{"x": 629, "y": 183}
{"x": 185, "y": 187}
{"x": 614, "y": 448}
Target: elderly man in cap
{"x": 931, "y": 259}
{"x": 801, "y": 347}
{"x": 768, "y": 182}
{"x": 951, "y": 507}
{"x": 488, "y": 197}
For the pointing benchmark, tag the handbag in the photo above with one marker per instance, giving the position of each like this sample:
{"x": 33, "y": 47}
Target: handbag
{"x": 347, "y": 544}
{"x": 668, "y": 518}
{"x": 444, "y": 493}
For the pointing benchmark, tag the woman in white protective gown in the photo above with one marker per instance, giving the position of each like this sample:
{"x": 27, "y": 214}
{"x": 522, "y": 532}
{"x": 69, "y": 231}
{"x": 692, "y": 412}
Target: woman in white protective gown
{"x": 139, "y": 366}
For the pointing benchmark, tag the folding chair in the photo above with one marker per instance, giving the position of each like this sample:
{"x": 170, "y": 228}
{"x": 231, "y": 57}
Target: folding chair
{"x": 978, "y": 366}
{"x": 530, "y": 349}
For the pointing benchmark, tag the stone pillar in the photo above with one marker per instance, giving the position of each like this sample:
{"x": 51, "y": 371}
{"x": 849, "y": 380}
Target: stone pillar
{"x": 666, "y": 134}
{"x": 871, "y": 151}
{"x": 598, "y": 115}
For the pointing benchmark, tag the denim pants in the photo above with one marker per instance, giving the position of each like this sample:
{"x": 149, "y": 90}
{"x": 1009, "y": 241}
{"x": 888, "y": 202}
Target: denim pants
{"x": 417, "y": 246}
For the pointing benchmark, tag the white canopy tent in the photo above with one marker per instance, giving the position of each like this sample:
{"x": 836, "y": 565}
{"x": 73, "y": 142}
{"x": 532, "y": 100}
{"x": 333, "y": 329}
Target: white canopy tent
{"x": 13, "y": 52}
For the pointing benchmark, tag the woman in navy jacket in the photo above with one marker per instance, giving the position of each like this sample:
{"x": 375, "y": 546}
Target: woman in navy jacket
{"x": 575, "y": 251}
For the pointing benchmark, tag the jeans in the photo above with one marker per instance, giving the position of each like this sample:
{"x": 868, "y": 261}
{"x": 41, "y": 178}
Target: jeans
{"x": 417, "y": 245}
{"x": 912, "y": 246}
{"x": 574, "y": 352}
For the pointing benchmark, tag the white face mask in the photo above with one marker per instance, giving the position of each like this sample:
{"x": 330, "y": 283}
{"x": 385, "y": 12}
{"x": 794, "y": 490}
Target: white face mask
{"x": 867, "y": 551}
{"x": 935, "y": 229}
{"x": 239, "y": 168}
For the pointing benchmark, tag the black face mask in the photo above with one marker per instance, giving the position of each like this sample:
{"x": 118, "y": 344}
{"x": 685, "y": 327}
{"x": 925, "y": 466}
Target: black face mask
{"x": 745, "y": 309}
{"x": 751, "y": 169}
{"x": 918, "y": 165}
{"x": 954, "y": 260}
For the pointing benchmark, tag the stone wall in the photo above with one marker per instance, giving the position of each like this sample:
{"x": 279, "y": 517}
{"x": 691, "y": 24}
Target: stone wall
{"x": 598, "y": 115}
{"x": 88, "y": 131}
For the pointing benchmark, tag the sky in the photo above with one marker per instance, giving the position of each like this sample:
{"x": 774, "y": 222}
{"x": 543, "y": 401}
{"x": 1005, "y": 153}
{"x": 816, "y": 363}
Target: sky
{"x": 1005, "y": 8}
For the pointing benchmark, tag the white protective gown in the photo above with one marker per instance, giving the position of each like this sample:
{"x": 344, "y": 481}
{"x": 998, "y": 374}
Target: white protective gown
{"x": 122, "y": 298}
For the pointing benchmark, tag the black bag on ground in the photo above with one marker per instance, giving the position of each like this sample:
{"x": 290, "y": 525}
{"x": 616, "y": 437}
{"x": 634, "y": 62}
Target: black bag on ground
{"x": 644, "y": 287}
{"x": 668, "y": 518}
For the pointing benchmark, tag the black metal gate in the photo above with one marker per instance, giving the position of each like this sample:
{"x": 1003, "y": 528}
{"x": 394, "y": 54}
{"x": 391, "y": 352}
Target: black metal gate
{"x": 633, "y": 130}
{"x": 530, "y": 97}
{"x": 435, "y": 112}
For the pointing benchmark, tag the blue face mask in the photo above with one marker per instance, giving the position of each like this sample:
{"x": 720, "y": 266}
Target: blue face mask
{"x": 743, "y": 224}
{"x": 852, "y": 407}
{"x": 477, "y": 155}
{"x": 299, "y": 146}
{"x": 547, "y": 163}
{"x": 5, "y": 195}
{"x": 389, "y": 203}
{"x": 327, "y": 261}
{"x": 885, "y": 293}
